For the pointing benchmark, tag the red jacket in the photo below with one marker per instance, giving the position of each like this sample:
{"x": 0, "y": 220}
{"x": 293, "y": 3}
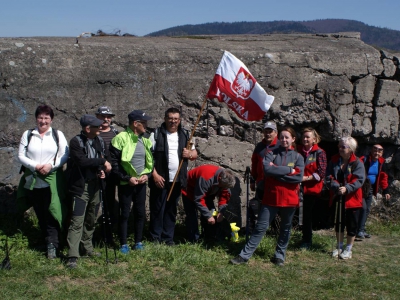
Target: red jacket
{"x": 312, "y": 165}
{"x": 202, "y": 184}
{"x": 281, "y": 185}
{"x": 257, "y": 168}
{"x": 382, "y": 178}
{"x": 354, "y": 179}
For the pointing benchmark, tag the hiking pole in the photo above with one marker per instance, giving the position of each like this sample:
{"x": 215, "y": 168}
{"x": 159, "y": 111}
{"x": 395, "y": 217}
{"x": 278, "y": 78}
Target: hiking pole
{"x": 247, "y": 178}
{"x": 6, "y": 263}
{"x": 334, "y": 225}
{"x": 340, "y": 223}
{"x": 105, "y": 215}
{"x": 110, "y": 229}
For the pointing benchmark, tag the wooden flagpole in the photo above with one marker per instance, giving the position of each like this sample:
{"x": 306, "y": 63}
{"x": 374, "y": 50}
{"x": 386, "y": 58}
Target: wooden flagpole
{"x": 188, "y": 146}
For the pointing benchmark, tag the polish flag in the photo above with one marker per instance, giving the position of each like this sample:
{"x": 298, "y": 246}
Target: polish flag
{"x": 234, "y": 85}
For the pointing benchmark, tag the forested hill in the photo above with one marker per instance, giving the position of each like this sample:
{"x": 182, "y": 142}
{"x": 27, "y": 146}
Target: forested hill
{"x": 376, "y": 36}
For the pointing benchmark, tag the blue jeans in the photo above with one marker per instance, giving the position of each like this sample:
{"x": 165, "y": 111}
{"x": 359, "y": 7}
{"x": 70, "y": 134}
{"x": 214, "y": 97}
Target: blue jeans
{"x": 364, "y": 211}
{"x": 191, "y": 221}
{"x": 265, "y": 216}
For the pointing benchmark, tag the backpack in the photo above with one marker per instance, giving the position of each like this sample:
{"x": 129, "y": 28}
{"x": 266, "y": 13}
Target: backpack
{"x": 54, "y": 133}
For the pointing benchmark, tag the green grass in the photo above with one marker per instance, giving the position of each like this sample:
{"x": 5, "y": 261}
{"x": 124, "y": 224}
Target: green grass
{"x": 202, "y": 272}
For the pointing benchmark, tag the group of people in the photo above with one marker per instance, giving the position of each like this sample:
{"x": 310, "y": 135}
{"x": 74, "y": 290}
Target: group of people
{"x": 133, "y": 159}
{"x": 129, "y": 160}
{"x": 283, "y": 174}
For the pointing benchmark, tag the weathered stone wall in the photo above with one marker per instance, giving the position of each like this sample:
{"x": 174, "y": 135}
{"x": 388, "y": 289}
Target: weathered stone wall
{"x": 335, "y": 83}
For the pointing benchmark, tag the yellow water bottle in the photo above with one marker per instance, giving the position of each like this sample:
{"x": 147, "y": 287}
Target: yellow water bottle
{"x": 235, "y": 233}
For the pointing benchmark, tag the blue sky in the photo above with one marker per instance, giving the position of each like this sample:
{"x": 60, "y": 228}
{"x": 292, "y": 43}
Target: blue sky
{"x": 23, "y": 18}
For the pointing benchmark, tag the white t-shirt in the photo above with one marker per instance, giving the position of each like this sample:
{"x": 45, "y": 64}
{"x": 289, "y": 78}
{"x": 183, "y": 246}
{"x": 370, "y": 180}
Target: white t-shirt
{"x": 173, "y": 157}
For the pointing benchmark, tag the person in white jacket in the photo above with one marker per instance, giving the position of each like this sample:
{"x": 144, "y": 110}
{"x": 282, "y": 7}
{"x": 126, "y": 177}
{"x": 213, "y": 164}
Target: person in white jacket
{"x": 42, "y": 152}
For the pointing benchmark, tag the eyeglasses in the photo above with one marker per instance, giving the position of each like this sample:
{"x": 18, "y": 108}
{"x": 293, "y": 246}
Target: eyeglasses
{"x": 377, "y": 149}
{"x": 343, "y": 147}
{"x": 43, "y": 119}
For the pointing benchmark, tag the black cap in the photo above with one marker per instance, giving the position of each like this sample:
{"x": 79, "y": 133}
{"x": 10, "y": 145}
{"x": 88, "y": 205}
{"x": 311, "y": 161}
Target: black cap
{"x": 90, "y": 120}
{"x": 105, "y": 110}
{"x": 138, "y": 115}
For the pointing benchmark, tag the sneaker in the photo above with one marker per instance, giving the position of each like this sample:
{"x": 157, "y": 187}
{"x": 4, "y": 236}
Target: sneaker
{"x": 238, "y": 260}
{"x": 305, "y": 246}
{"x": 345, "y": 254}
{"x": 139, "y": 246}
{"x": 335, "y": 253}
{"x": 277, "y": 261}
{"x": 360, "y": 236}
{"x": 367, "y": 235}
{"x": 51, "y": 251}
{"x": 72, "y": 262}
{"x": 124, "y": 249}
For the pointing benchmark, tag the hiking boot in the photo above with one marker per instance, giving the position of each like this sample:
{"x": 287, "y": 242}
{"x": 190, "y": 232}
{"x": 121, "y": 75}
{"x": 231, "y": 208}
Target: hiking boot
{"x": 277, "y": 261}
{"x": 72, "y": 262}
{"x": 93, "y": 254}
{"x": 51, "y": 251}
{"x": 305, "y": 246}
{"x": 238, "y": 260}
{"x": 124, "y": 249}
{"x": 367, "y": 235}
{"x": 335, "y": 253}
{"x": 346, "y": 254}
{"x": 139, "y": 246}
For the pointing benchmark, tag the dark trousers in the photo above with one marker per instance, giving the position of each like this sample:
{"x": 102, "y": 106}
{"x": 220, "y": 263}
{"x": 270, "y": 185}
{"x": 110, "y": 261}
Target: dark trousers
{"x": 163, "y": 213}
{"x": 308, "y": 205}
{"x": 41, "y": 199}
{"x": 364, "y": 211}
{"x": 111, "y": 206}
{"x": 348, "y": 219}
{"x": 128, "y": 194}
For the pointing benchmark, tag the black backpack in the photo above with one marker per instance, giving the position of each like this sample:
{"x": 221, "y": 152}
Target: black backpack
{"x": 54, "y": 133}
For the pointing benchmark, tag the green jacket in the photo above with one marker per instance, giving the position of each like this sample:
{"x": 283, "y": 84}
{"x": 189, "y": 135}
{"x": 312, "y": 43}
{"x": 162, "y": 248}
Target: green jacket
{"x": 56, "y": 181}
{"x": 126, "y": 142}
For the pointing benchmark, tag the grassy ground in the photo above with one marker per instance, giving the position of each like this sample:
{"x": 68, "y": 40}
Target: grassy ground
{"x": 202, "y": 272}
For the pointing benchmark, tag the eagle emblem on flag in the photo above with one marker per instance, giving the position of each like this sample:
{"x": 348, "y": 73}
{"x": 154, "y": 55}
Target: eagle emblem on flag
{"x": 243, "y": 84}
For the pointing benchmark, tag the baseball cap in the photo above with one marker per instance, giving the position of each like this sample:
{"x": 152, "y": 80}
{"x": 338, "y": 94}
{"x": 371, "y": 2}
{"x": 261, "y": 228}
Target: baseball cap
{"x": 90, "y": 120}
{"x": 270, "y": 125}
{"x": 138, "y": 115}
{"x": 105, "y": 110}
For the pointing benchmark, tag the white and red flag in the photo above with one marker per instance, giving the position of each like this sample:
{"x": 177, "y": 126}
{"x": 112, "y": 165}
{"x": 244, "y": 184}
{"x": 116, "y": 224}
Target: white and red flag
{"x": 234, "y": 85}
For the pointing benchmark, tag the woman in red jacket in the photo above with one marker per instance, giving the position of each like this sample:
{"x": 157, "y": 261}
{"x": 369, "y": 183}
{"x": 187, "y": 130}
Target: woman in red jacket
{"x": 283, "y": 168}
{"x": 345, "y": 177}
{"x": 313, "y": 179}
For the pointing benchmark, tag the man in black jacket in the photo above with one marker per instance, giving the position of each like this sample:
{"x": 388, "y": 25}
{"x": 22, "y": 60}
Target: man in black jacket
{"x": 87, "y": 163}
{"x": 169, "y": 148}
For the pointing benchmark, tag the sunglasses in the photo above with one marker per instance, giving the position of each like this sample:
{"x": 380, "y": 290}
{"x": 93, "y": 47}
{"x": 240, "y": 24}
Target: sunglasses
{"x": 377, "y": 149}
{"x": 343, "y": 147}
{"x": 94, "y": 126}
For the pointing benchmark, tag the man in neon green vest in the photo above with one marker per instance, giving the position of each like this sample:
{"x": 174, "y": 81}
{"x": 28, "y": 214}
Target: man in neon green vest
{"x": 131, "y": 157}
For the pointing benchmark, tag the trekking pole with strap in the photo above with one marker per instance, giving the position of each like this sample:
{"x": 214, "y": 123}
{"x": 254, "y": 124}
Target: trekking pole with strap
{"x": 105, "y": 215}
{"x": 334, "y": 226}
{"x": 247, "y": 179}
